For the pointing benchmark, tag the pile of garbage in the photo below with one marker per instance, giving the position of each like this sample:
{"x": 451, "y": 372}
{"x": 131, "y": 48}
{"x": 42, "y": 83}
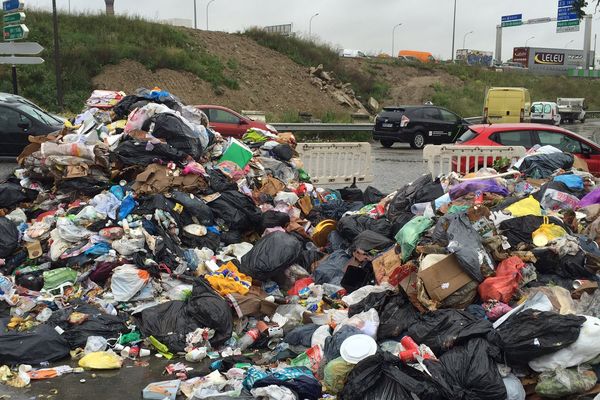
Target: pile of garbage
{"x": 138, "y": 233}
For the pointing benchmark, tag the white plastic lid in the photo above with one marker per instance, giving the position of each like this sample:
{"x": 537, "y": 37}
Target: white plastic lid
{"x": 358, "y": 347}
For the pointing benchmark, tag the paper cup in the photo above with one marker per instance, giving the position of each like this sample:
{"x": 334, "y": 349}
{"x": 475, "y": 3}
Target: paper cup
{"x": 125, "y": 351}
{"x": 118, "y": 347}
{"x": 144, "y": 352}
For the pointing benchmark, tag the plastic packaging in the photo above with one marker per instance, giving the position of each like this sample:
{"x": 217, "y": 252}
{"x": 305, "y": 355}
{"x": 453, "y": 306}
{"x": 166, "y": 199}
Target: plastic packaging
{"x": 335, "y": 374}
{"x": 101, "y": 360}
{"x": 95, "y": 344}
{"x": 560, "y": 383}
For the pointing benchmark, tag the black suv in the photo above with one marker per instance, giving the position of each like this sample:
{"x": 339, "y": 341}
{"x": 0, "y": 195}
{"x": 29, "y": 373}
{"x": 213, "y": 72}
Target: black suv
{"x": 417, "y": 125}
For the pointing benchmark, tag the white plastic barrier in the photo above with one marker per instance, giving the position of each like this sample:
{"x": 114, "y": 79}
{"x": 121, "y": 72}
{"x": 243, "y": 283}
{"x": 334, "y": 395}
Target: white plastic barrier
{"x": 335, "y": 163}
{"x": 443, "y": 159}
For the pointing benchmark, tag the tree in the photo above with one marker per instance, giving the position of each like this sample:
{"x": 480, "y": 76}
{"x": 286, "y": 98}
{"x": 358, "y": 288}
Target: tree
{"x": 110, "y": 7}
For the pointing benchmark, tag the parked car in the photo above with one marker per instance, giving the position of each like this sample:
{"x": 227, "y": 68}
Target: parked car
{"x": 545, "y": 112}
{"x": 349, "y": 53}
{"x": 423, "y": 56}
{"x": 506, "y": 105}
{"x": 230, "y": 123}
{"x": 417, "y": 125}
{"x": 529, "y": 135}
{"x": 512, "y": 65}
{"x": 20, "y": 118}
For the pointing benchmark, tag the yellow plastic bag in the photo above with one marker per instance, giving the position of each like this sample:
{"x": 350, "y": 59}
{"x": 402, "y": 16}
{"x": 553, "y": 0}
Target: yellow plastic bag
{"x": 528, "y": 206}
{"x": 547, "y": 232}
{"x": 101, "y": 360}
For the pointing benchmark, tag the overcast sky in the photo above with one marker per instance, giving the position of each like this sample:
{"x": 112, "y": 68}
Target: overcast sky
{"x": 365, "y": 24}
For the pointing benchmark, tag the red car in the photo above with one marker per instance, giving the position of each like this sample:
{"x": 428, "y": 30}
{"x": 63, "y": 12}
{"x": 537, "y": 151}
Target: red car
{"x": 528, "y": 135}
{"x": 230, "y": 123}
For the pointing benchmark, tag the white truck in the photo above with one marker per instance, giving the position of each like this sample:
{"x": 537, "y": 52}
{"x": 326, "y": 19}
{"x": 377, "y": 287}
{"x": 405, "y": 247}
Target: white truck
{"x": 571, "y": 109}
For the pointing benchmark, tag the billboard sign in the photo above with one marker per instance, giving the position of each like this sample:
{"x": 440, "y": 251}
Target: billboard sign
{"x": 521, "y": 55}
{"x": 475, "y": 57}
{"x": 283, "y": 30}
{"x": 547, "y": 58}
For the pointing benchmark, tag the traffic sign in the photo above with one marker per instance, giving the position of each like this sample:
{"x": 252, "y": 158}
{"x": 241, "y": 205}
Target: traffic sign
{"x": 21, "y": 48}
{"x": 514, "y": 17}
{"x": 14, "y": 18}
{"x": 12, "y": 6}
{"x": 511, "y": 23}
{"x": 567, "y": 19}
{"x": 566, "y": 3}
{"x": 21, "y": 60}
{"x": 15, "y": 32}
{"x": 566, "y": 13}
{"x": 539, "y": 20}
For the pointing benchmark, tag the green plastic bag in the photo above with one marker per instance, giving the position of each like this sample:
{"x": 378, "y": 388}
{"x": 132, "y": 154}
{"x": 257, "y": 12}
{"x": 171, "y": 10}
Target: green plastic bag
{"x": 409, "y": 235}
{"x": 303, "y": 176}
{"x": 238, "y": 153}
{"x": 335, "y": 374}
{"x": 564, "y": 382}
{"x": 56, "y": 278}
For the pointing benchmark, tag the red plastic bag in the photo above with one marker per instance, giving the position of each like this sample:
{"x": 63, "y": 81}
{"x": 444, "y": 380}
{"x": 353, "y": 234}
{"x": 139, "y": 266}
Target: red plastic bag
{"x": 299, "y": 285}
{"x": 506, "y": 282}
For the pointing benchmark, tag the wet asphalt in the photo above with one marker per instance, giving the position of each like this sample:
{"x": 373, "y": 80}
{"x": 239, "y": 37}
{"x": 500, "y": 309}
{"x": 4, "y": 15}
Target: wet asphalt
{"x": 391, "y": 167}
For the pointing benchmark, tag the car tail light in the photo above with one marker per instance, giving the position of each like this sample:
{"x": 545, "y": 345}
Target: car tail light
{"x": 404, "y": 121}
{"x": 522, "y": 115}
{"x": 485, "y": 114}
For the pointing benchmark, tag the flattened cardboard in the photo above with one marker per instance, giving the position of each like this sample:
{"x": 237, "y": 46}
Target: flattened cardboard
{"x": 385, "y": 265}
{"x": 443, "y": 278}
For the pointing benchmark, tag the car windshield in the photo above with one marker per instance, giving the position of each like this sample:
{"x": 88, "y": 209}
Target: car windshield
{"x": 37, "y": 114}
{"x": 468, "y": 135}
{"x": 537, "y": 108}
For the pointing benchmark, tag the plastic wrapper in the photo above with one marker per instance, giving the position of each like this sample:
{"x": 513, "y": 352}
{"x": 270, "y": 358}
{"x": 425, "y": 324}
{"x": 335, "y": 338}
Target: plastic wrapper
{"x": 411, "y": 233}
{"x": 560, "y": 383}
{"x": 335, "y": 374}
{"x": 101, "y": 360}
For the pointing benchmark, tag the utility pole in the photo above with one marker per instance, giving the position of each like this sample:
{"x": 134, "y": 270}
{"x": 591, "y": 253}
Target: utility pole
{"x": 453, "y": 30}
{"x": 394, "y": 38}
{"x": 195, "y": 15}
{"x": 208, "y": 5}
{"x": 59, "y": 89}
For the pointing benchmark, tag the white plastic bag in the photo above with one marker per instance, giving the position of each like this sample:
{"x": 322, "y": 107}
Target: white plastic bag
{"x": 361, "y": 293}
{"x": 94, "y": 344}
{"x": 320, "y": 335}
{"x": 585, "y": 348}
{"x": 366, "y": 321}
{"x": 514, "y": 388}
{"x": 127, "y": 281}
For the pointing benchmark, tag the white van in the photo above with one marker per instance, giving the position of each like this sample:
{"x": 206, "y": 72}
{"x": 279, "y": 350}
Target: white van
{"x": 352, "y": 53}
{"x": 545, "y": 112}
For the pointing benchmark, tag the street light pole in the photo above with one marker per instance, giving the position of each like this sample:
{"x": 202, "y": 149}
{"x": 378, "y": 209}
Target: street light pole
{"x": 310, "y": 26}
{"x": 527, "y": 41}
{"x": 453, "y": 30}
{"x": 394, "y": 37}
{"x": 208, "y": 5}
{"x": 195, "y": 15}
{"x": 465, "y": 38}
{"x": 59, "y": 90}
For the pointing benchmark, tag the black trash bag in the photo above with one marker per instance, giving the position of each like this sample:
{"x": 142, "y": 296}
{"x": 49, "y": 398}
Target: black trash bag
{"x": 87, "y": 185}
{"x": 176, "y": 132}
{"x": 542, "y": 166}
{"x": 97, "y": 324}
{"x": 219, "y": 182}
{"x": 405, "y": 197}
{"x": 283, "y": 152}
{"x": 148, "y": 204}
{"x": 456, "y": 230}
{"x": 369, "y": 240}
{"x": 470, "y": 371}
{"x": 333, "y": 343}
{"x": 443, "y": 329}
{"x": 385, "y": 376}
{"x": 519, "y": 230}
{"x": 134, "y": 152}
{"x": 351, "y": 193}
{"x": 272, "y": 219}
{"x": 401, "y": 220}
{"x": 170, "y": 322}
{"x": 331, "y": 269}
{"x": 335, "y": 209}
{"x": 237, "y": 210}
{"x": 211, "y": 240}
{"x": 33, "y": 282}
{"x": 271, "y": 255}
{"x": 125, "y": 106}
{"x": 305, "y": 387}
{"x": 301, "y": 335}
{"x": 396, "y": 313}
{"x": 561, "y": 187}
{"x": 429, "y": 192}
{"x": 372, "y": 195}
{"x": 568, "y": 266}
{"x": 9, "y": 237}
{"x": 12, "y": 194}
{"x": 35, "y": 346}
{"x": 231, "y": 237}
{"x": 194, "y": 207}
{"x": 351, "y": 226}
{"x": 309, "y": 257}
{"x": 531, "y": 334}
{"x": 356, "y": 277}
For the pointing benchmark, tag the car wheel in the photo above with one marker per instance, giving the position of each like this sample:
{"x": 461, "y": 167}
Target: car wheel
{"x": 387, "y": 143}
{"x": 418, "y": 141}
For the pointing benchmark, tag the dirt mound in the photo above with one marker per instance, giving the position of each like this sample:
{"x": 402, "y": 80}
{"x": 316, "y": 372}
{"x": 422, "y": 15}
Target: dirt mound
{"x": 269, "y": 81}
{"x": 408, "y": 85}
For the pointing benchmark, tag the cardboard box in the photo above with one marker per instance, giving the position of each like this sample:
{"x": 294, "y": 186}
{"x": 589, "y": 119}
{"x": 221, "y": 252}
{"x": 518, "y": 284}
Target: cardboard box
{"x": 442, "y": 275}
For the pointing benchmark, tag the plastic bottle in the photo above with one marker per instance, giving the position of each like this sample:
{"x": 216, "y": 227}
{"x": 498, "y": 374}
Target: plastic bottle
{"x": 252, "y": 335}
